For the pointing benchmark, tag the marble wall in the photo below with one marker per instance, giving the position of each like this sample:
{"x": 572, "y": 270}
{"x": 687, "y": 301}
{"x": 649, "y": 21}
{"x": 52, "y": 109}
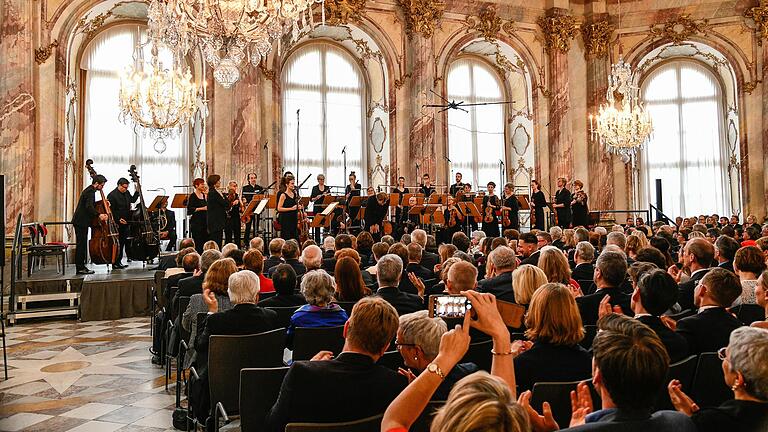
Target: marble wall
{"x": 562, "y": 51}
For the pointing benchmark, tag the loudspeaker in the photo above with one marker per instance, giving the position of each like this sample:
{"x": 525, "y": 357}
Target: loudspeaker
{"x": 659, "y": 200}
{"x": 2, "y": 218}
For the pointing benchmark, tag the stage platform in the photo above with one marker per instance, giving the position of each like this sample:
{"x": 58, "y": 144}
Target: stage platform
{"x": 104, "y": 295}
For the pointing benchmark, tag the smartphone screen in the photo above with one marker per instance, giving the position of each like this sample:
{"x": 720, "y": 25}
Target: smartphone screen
{"x": 449, "y": 306}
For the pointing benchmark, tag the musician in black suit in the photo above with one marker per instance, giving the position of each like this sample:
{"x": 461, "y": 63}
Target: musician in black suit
{"x": 610, "y": 273}
{"x": 388, "y": 274}
{"x": 408, "y": 222}
{"x": 538, "y": 204}
{"x": 562, "y": 204}
{"x": 168, "y": 230}
{"x": 458, "y": 186}
{"x": 85, "y": 213}
{"x": 244, "y": 318}
{"x": 249, "y": 190}
{"x": 426, "y": 186}
{"x": 120, "y": 201}
{"x": 375, "y": 211}
{"x": 217, "y": 210}
{"x": 710, "y": 328}
{"x": 469, "y": 222}
{"x": 696, "y": 257}
{"x": 351, "y": 385}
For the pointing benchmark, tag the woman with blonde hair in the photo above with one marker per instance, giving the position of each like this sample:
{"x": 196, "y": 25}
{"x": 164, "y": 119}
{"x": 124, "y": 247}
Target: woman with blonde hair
{"x": 644, "y": 242}
{"x": 569, "y": 239}
{"x": 555, "y": 329}
{"x": 555, "y": 265}
{"x": 632, "y": 246}
{"x": 526, "y": 279}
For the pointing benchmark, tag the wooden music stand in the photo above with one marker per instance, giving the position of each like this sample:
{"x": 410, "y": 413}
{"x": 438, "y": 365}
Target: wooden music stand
{"x": 251, "y": 205}
{"x": 323, "y": 219}
{"x": 328, "y": 200}
{"x": 360, "y": 214}
{"x": 435, "y": 198}
{"x": 272, "y": 203}
{"x": 356, "y": 201}
{"x": 263, "y": 203}
{"x": 429, "y": 211}
{"x": 156, "y": 203}
{"x": 179, "y": 201}
{"x": 478, "y": 201}
{"x": 470, "y": 208}
{"x": 394, "y": 200}
{"x": 523, "y": 202}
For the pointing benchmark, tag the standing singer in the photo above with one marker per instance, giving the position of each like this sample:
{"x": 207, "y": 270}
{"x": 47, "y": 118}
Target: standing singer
{"x": 288, "y": 208}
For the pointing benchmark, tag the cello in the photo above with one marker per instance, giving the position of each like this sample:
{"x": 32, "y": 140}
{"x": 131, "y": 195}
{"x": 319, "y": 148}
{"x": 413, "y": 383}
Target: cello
{"x": 105, "y": 236}
{"x": 143, "y": 241}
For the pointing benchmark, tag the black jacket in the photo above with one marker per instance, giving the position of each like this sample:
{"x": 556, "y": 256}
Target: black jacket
{"x": 546, "y": 362}
{"x": 614, "y": 420}
{"x": 583, "y": 271}
{"x": 298, "y": 267}
{"x": 728, "y": 265}
{"x": 685, "y": 291}
{"x": 708, "y": 330}
{"x": 404, "y": 303}
{"x": 86, "y": 208}
{"x": 420, "y": 272}
{"x": 120, "y": 203}
{"x": 677, "y": 346}
{"x": 533, "y": 259}
{"x": 500, "y": 286}
{"x": 733, "y": 416}
{"x": 190, "y": 286}
{"x": 429, "y": 260}
{"x": 272, "y": 261}
{"x": 217, "y": 211}
{"x": 589, "y": 304}
{"x": 280, "y": 300}
{"x": 351, "y": 387}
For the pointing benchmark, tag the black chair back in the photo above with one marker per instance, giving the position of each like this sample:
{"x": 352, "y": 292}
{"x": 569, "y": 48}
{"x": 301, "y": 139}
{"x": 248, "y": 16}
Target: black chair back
{"x": 590, "y": 331}
{"x": 749, "y": 313}
{"x": 284, "y": 314}
{"x": 263, "y": 296}
{"x": 347, "y": 306}
{"x": 363, "y": 425}
{"x": 587, "y": 286}
{"x": 682, "y": 371}
{"x": 558, "y": 394}
{"x": 308, "y": 341}
{"x": 259, "y": 388}
{"x": 709, "y": 389}
{"x": 479, "y": 353}
{"x": 228, "y": 354}
{"x": 178, "y": 307}
{"x": 391, "y": 360}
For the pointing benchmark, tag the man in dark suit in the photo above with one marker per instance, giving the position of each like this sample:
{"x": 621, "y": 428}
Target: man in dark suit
{"x": 610, "y": 273}
{"x": 388, "y": 274}
{"x": 428, "y": 259}
{"x": 629, "y": 371}
{"x": 120, "y": 201}
{"x": 562, "y": 204}
{"x": 414, "y": 258}
{"x": 352, "y": 384}
{"x": 656, "y": 292}
{"x": 284, "y": 281}
{"x": 194, "y": 284}
{"x": 290, "y": 254}
{"x": 275, "y": 254}
{"x": 528, "y": 249}
{"x": 244, "y": 318}
{"x": 85, "y": 212}
{"x": 583, "y": 256}
{"x": 725, "y": 251}
{"x": 696, "y": 256}
{"x": 501, "y": 262}
{"x": 710, "y": 329}
{"x": 190, "y": 263}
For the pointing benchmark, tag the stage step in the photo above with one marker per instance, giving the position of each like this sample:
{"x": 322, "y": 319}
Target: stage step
{"x": 42, "y": 313}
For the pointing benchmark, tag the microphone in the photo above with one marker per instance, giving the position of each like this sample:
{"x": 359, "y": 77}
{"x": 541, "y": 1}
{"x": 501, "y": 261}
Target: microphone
{"x": 501, "y": 162}
{"x": 265, "y": 144}
{"x": 447, "y": 158}
{"x": 344, "y": 150}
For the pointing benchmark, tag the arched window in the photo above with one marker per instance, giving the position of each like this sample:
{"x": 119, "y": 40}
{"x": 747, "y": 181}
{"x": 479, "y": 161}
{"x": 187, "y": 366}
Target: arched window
{"x": 686, "y": 150}
{"x": 475, "y": 138}
{"x": 113, "y": 145}
{"x": 324, "y": 84}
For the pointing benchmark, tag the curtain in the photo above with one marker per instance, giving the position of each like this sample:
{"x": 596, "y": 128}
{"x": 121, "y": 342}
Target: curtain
{"x": 113, "y": 145}
{"x": 475, "y": 138}
{"x": 325, "y": 85}
{"x": 687, "y": 150}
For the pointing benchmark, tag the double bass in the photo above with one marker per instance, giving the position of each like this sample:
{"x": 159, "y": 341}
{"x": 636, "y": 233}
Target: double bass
{"x": 105, "y": 235}
{"x": 143, "y": 240}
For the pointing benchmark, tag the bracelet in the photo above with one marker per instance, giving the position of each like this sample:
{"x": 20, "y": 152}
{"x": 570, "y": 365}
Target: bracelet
{"x": 510, "y": 352}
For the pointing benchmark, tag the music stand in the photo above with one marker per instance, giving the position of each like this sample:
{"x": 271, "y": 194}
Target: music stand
{"x": 429, "y": 211}
{"x": 251, "y": 206}
{"x": 156, "y": 203}
{"x": 179, "y": 201}
{"x": 356, "y": 201}
{"x": 263, "y": 203}
{"x": 394, "y": 199}
{"x": 473, "y": 210}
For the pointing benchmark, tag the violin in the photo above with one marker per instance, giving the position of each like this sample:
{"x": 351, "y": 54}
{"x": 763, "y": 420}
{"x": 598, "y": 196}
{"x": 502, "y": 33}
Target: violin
{"x": 455, "y": 217}
{"x": 505, "y": 218}
{"x": 489, "y": 211}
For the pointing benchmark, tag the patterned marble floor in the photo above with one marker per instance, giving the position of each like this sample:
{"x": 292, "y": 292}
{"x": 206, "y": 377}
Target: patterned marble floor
{"x": 82, "y": 377}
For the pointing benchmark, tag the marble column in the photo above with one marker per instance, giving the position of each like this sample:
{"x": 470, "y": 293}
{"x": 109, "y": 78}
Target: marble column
{"x": 421, "y": 137}
{"x": 246, "y": 148}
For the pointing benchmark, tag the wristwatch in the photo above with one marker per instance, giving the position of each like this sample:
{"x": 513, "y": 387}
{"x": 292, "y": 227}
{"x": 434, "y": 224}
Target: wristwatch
{"x": 435, "y": 369}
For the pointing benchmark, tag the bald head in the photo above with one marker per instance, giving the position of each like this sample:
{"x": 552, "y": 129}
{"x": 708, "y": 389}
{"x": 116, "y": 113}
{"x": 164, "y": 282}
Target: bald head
{"x": 312, "y": 257}
{"x": 462, "y": 276}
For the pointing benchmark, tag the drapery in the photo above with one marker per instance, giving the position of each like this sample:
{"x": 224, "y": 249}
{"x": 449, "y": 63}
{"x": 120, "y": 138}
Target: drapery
{"x": 476, "y": 138}
{"x": 323, "y": 82}
{"x": 687, "y": 150}
{"x": 113, "y": 145}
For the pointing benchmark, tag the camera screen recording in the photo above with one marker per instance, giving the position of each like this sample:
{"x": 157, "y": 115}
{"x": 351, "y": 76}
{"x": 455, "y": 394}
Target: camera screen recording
{"x": 444, "y": 306}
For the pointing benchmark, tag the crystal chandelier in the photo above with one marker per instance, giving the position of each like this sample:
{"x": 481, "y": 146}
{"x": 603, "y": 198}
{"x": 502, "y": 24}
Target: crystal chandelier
{"x": 157, "y": 100}
{"x": 228, "y": 31}
{"x": 622, "y": 124}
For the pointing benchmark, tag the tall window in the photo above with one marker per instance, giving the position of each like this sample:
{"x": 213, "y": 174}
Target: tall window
{"x": 324, "y": 84}
{"x": 112, "y": 145}
{"x": 475, "y": 138}
{"x": 686, "y": 151}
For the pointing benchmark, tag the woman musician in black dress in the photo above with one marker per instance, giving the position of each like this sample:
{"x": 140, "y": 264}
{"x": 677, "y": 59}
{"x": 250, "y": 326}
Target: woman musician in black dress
{"x": 287, "y": 208}
{"x": 579, "y": 207}
{"x": 538, "y": 202}
{"x": 352, "y": 190}
{"x": 319, "y": 192}
{"x": 197, "y": 208}
{"x": 217, "y": 210}
{"x": 490, "y": 205}
{"x": 400, "y": 190}
{"x": 510, "y": 208}
{"x": 454, "y": 219}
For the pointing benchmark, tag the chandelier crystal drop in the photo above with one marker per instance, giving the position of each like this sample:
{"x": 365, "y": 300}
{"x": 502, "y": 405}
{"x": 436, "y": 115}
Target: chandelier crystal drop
{"x": 156, "y": 100}
{"x": 228, "y": 31}
{"x": 622, "y": 124}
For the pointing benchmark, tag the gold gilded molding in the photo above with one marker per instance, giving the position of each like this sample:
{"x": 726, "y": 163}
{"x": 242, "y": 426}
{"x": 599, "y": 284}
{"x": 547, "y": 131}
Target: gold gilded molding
{"x": 422, "y": 16}
{"x": 679, "y": 29}
{"x": 401, "y": 81}
{"x": 558, "y": 31}
{"x": 268, "y": 74}
{"x": 759, "y": 14}
{"x": 597, "y": 38}
{"x": 488, "y": 24}
{"x": 750, "y": 86}
{"x": 340, "y": 12}
{"x": 42, "y": 53}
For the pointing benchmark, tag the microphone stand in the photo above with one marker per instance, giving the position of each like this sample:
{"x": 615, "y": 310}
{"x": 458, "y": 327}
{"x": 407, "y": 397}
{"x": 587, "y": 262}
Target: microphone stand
{"x": 501, "y": 175}
{"x": 297, "y": 142}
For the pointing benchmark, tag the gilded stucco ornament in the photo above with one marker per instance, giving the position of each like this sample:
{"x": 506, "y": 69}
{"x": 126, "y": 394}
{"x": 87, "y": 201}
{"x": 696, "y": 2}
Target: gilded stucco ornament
{"x": 42, "y": 53}
{"x": 422, "y": 16}
{"x": 488, "y": 24}
{"x": 679, "y": 29}
{"x": 597, "y": 38}
{"x": 759, "y": 16}
{"x": 558, "y": 31}
{"x": 340, "y": 12}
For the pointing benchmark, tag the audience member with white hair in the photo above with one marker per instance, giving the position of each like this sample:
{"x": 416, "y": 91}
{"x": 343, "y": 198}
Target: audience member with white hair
{"x": 318, "y": 288}
{"x": 312, "y": 257}
{"x": 257, "y": 243}
{"x": 583, "y": 257}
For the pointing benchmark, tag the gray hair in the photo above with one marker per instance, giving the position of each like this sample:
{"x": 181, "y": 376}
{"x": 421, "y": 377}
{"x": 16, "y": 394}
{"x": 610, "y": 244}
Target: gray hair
{"x": 601, "y": 230}
{"x": 503, "y": 258}
{"x": 318, "y": 287}
{"x": 617, "y": 228}
{"x": 616, "y": 238}
{"x": 207, "y": 258}
{"x": 748, "y": 349}
{"x": 243, "y": 287}
{"x": 614, "y": 249}
{"x": 257, "y": 243}
{"x": 227, "y": 249}
{"x": 419, "y": 329}
{"x": 613, "y": 267}
{"x": 478, "y": 235}
{"x": 329, "y": 243}
{"x": 389, "y": 269}
{"x": 585, "y": 251}
{"x": 556, "y": 232}
{"x": 312, "y": 257}
{"x": 419, "y": 236}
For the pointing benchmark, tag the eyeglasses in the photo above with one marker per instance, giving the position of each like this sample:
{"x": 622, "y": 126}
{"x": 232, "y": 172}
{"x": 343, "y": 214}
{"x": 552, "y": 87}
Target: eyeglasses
{"x": 722, "y": 354}
{"x": 399, "y": 344}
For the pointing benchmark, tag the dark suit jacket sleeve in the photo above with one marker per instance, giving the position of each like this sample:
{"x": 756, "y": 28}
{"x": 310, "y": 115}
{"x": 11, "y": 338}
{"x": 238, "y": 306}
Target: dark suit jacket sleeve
{"x": 90, "y": 203}
{"x": 279, "y": 414}
{"x": 686, "y": 329}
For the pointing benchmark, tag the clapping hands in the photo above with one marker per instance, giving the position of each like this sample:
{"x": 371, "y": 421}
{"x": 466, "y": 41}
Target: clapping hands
{"x": 210, "y": 299}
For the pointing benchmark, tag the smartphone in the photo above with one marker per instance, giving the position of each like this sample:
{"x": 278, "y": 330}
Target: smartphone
{"x": 449, "y": 306}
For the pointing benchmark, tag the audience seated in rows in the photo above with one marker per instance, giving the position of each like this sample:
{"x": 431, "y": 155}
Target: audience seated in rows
{"x": 194, "y": 284}
{"x": 253, "y": 260}
{"x": 284, "y": 281}
{"x": 526, "y": 279}
{"x": 369, "y": 273}
{"x": 696, "y": 258}
{"x": 528, "y": 249}
{"x": 389, "y": 273}
{"x": 318, "y": 289}
{"x": 584, "y": 256}
{"x": 498, "y": 279}
{"x": 350, "y": 286}
{"x": 748, "y": 263}
{"x": 290, "y": 254}
{"x": 610, "y": 273}
{"x": 275, "y": 254}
